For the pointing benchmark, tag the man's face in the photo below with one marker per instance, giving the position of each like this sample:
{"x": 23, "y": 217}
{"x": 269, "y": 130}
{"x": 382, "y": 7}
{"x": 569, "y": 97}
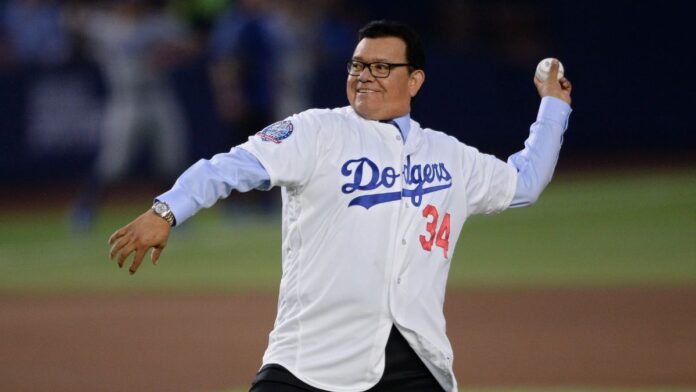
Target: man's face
{"x": 383, "y": 98}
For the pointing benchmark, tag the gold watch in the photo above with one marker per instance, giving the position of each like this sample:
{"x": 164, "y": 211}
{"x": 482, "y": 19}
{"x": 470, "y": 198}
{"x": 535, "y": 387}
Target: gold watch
{"x": 162, "y": 209}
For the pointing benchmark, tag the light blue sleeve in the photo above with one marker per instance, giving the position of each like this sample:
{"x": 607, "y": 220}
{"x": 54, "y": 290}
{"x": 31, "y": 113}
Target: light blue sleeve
{"x": 208, "y": 180}
{"x": 536, "y": 162}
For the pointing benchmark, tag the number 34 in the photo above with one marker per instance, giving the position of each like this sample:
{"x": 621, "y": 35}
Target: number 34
{"x": 441, "y": 238}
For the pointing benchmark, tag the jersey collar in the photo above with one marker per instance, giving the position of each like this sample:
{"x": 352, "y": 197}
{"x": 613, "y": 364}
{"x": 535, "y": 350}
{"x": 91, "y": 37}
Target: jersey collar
{"x": 410, "y": 130}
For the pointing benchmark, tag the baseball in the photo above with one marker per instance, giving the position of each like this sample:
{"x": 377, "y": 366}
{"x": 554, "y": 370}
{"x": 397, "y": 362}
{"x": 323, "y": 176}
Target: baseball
{"x": 542, "y": 69}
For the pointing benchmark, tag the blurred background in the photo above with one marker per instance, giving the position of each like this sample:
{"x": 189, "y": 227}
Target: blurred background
{"x": 96, "y": 92}
{"x": 103, "y": 103}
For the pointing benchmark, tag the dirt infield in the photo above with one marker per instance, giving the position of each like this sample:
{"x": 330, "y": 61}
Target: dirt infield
{"x": 550, "y": 337}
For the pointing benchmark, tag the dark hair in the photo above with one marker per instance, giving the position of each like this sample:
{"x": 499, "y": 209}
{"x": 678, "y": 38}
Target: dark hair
{"x": 415, "y": 55}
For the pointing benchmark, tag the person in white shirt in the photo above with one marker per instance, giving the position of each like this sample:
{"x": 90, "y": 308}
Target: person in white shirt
{"x": 135, "y": 44}
{"x": 373, "y": 205}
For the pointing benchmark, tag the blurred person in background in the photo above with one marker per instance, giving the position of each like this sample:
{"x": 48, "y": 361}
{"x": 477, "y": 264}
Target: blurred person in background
{"x": 32, "y": 34}
{"x": 247, "y": 44}
{"x": 242, "y": 48}
{"x": 297, "y": 25}
{"x": 261, "y": 68}
{"x": 135, "y": 43}
{"x": 336, "y": 37}
{"x": 200, "y": 15}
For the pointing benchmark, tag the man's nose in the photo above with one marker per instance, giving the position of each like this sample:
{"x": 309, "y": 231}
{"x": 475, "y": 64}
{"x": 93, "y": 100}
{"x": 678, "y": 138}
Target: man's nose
{"x": 366, "y": 75}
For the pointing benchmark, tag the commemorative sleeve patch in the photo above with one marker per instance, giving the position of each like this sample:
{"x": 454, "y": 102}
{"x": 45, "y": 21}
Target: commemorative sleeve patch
{"x": 277, "y": 132}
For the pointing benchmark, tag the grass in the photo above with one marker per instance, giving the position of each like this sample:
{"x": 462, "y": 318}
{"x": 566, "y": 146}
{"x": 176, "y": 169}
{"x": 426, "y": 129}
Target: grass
{"x": 41, "y": 254}
{"x": 623, "y": 228}
{"x": 604, "y": 229}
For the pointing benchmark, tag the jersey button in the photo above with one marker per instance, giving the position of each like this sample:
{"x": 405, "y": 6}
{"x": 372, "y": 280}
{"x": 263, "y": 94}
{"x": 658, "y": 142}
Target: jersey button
{"x": 398, "y": 280}
{"x": 403, "y": 241}
{"x": 398, "y": 137}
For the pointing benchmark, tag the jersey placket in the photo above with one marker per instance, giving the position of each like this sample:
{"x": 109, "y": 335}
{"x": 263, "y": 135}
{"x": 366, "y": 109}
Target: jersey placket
{"x": 395, "y": 142}
{"x": 406, "y": 208}
{"x": 399, "y": 280}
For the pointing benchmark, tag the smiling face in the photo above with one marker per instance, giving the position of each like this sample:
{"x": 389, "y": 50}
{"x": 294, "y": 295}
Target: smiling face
{"x": 383, "y": 98}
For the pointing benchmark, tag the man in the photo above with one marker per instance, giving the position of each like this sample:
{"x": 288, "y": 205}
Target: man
{"x": 373, "y": 205}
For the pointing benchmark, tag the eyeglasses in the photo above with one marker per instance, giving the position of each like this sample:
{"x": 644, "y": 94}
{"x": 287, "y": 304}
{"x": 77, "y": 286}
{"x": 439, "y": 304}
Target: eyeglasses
{"x": 378, "y": 70}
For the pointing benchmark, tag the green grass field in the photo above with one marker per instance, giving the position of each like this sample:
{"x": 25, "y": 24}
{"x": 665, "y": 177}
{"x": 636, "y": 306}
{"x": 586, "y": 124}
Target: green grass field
{"x": 616, "y": 228}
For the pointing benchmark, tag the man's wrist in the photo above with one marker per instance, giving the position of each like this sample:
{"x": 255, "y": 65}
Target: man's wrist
{"x": 162, "y": 210}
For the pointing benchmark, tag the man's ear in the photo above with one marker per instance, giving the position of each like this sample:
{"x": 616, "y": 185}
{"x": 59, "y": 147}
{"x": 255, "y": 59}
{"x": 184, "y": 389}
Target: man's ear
{"x": 415, "y": 81}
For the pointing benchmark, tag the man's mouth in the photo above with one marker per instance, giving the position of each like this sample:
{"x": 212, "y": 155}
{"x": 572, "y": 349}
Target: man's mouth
{"x": 365, "y": 91}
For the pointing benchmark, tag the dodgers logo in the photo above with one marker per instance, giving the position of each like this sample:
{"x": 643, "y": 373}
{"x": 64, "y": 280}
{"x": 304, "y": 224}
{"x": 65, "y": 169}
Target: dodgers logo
{"x": 277, "y": 132}
{"x": 418, "y": 179}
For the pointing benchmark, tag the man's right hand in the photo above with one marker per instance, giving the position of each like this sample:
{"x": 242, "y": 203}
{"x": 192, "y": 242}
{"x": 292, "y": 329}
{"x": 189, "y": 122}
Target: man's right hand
{"x": 147, "y": 231}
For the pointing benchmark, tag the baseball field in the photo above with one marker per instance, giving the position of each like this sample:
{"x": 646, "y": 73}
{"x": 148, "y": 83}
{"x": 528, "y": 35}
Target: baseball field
{"x": 592, "y": 289}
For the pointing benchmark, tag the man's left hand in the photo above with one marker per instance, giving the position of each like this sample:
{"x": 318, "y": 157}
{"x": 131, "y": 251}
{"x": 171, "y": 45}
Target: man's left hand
{"x": 553, "y": 87}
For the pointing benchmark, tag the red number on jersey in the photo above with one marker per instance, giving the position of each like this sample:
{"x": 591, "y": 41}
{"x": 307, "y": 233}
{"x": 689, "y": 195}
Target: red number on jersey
{"x": 430, "y": 227}
{"x": 441, "y": 239}
{"x": 443, "y": 235}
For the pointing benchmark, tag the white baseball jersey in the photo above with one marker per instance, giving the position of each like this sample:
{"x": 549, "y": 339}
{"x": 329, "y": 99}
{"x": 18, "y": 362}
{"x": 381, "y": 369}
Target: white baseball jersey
{"x": 369, "y": 228}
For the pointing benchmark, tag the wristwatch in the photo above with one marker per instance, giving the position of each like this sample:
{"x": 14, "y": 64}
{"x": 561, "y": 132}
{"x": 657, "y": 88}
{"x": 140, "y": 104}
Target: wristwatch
{"x": 162, "y": 209}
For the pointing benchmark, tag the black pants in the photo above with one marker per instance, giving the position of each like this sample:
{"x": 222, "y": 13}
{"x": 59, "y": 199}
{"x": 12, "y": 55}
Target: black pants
{"x": 403, "y": 372}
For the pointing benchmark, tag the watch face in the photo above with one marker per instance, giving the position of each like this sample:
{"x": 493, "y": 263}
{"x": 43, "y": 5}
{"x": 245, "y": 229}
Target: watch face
{"x": 161, "y": 208}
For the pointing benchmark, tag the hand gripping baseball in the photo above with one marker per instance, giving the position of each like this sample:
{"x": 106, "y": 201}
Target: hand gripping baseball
{"x": 552, "y": 86}
{"x": 145, "y": 232}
